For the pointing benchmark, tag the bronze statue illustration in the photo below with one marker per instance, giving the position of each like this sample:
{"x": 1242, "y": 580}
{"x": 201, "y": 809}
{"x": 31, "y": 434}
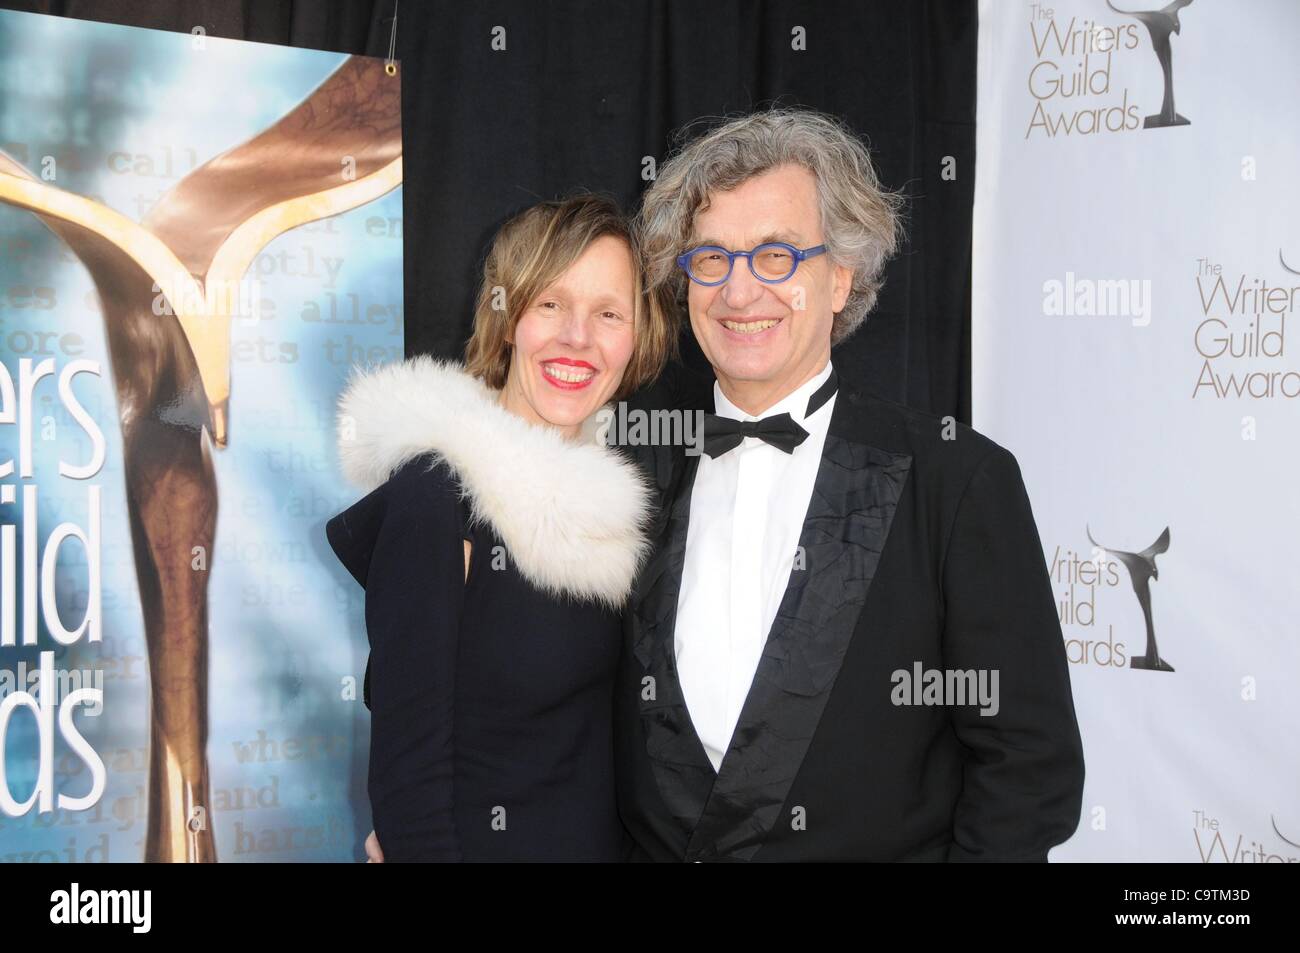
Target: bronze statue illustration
{"x": 338, "y": 149}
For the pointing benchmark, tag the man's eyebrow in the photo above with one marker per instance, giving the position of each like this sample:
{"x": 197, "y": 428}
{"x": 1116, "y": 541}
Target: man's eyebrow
{"x": 790, "y": 238}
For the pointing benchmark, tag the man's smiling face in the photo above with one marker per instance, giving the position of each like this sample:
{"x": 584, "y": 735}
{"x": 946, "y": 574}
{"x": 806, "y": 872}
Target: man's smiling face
{"x": 764, "y": 340}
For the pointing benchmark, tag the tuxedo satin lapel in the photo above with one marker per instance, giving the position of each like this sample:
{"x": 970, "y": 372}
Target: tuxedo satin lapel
{"x": 680, "y": 766}
{"x": 848, "y": 521}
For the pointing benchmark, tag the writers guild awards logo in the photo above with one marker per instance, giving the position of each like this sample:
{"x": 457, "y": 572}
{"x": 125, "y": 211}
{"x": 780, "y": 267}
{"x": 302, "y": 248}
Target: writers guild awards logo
{"x": 1141, "y": 570}
{"x": 1161, "y": 23}
{"x": 1284, "y": 264}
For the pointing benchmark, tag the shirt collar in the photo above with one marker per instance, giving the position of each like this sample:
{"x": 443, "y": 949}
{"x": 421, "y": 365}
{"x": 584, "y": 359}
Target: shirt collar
{"x": 795, "y": 403}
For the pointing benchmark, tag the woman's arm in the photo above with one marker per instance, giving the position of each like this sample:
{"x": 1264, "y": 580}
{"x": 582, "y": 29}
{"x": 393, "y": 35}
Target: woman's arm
{"x": 414, "y": 579}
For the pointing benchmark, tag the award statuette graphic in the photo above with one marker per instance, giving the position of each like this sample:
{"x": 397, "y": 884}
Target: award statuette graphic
{"x": 1141, "y": 570}
{"x": 1160, "y": 23}
{"x": 340, "y": 148}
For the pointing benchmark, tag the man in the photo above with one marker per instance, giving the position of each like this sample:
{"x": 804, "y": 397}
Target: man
{"x": 827, "y": 580}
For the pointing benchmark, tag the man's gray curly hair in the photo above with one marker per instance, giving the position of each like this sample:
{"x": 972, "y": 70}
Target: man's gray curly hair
{"x": 861, "y": 221}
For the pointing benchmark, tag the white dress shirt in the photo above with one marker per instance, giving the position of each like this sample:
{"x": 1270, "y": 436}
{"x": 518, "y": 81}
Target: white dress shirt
{"x": 747, "y": 512}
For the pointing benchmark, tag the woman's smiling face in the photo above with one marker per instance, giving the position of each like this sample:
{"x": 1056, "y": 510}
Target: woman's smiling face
{"x": 573, "y": 342}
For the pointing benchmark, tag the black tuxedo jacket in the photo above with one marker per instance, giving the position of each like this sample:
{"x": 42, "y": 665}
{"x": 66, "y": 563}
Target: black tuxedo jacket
{"x": 917, "y": 549}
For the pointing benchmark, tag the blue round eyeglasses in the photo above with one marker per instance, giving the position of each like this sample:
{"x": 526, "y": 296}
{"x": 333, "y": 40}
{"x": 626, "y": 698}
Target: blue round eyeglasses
{"x": 771, "y": 262}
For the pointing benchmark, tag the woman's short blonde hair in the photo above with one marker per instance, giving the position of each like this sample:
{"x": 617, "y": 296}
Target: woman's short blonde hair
{"x": 531, "y": 251}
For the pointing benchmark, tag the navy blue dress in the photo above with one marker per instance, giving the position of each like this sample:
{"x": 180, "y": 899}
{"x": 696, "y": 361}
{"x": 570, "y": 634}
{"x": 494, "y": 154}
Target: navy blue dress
{"x": 491, "y": 701}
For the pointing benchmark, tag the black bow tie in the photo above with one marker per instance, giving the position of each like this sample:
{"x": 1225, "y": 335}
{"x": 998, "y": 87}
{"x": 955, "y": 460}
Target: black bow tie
{"x": 725, "y": 433}
{"x": 780, "y": 430}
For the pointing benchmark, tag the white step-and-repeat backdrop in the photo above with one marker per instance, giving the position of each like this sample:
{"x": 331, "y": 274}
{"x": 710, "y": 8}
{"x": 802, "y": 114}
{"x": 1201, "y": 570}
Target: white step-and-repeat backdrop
{"x": 1136, "y": 344}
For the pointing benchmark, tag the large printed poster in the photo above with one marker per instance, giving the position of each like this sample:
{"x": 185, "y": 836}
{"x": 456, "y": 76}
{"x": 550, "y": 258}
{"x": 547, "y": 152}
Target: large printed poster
{"x": 198, "y": 238}
{"x": 1135, "y": 302}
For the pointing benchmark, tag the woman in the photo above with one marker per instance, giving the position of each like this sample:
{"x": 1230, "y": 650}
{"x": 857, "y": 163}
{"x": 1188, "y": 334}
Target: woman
{"x": 496, "y": 546}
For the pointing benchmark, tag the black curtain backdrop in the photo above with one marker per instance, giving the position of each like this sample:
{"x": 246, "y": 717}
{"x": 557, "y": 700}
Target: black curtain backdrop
{"x": 583, "y": 91}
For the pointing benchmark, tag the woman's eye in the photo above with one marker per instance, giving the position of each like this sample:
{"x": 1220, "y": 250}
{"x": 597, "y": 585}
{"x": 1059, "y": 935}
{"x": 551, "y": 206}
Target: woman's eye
{"x": 612, "y": 315}
{"x": 549, "y": 304}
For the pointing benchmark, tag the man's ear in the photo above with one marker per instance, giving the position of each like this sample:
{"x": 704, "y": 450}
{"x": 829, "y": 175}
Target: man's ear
{"x": 841, "y": 285}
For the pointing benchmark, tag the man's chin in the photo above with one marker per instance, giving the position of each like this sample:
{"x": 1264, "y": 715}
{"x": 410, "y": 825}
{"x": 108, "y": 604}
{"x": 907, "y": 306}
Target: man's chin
{"x": 748, "y": 368}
